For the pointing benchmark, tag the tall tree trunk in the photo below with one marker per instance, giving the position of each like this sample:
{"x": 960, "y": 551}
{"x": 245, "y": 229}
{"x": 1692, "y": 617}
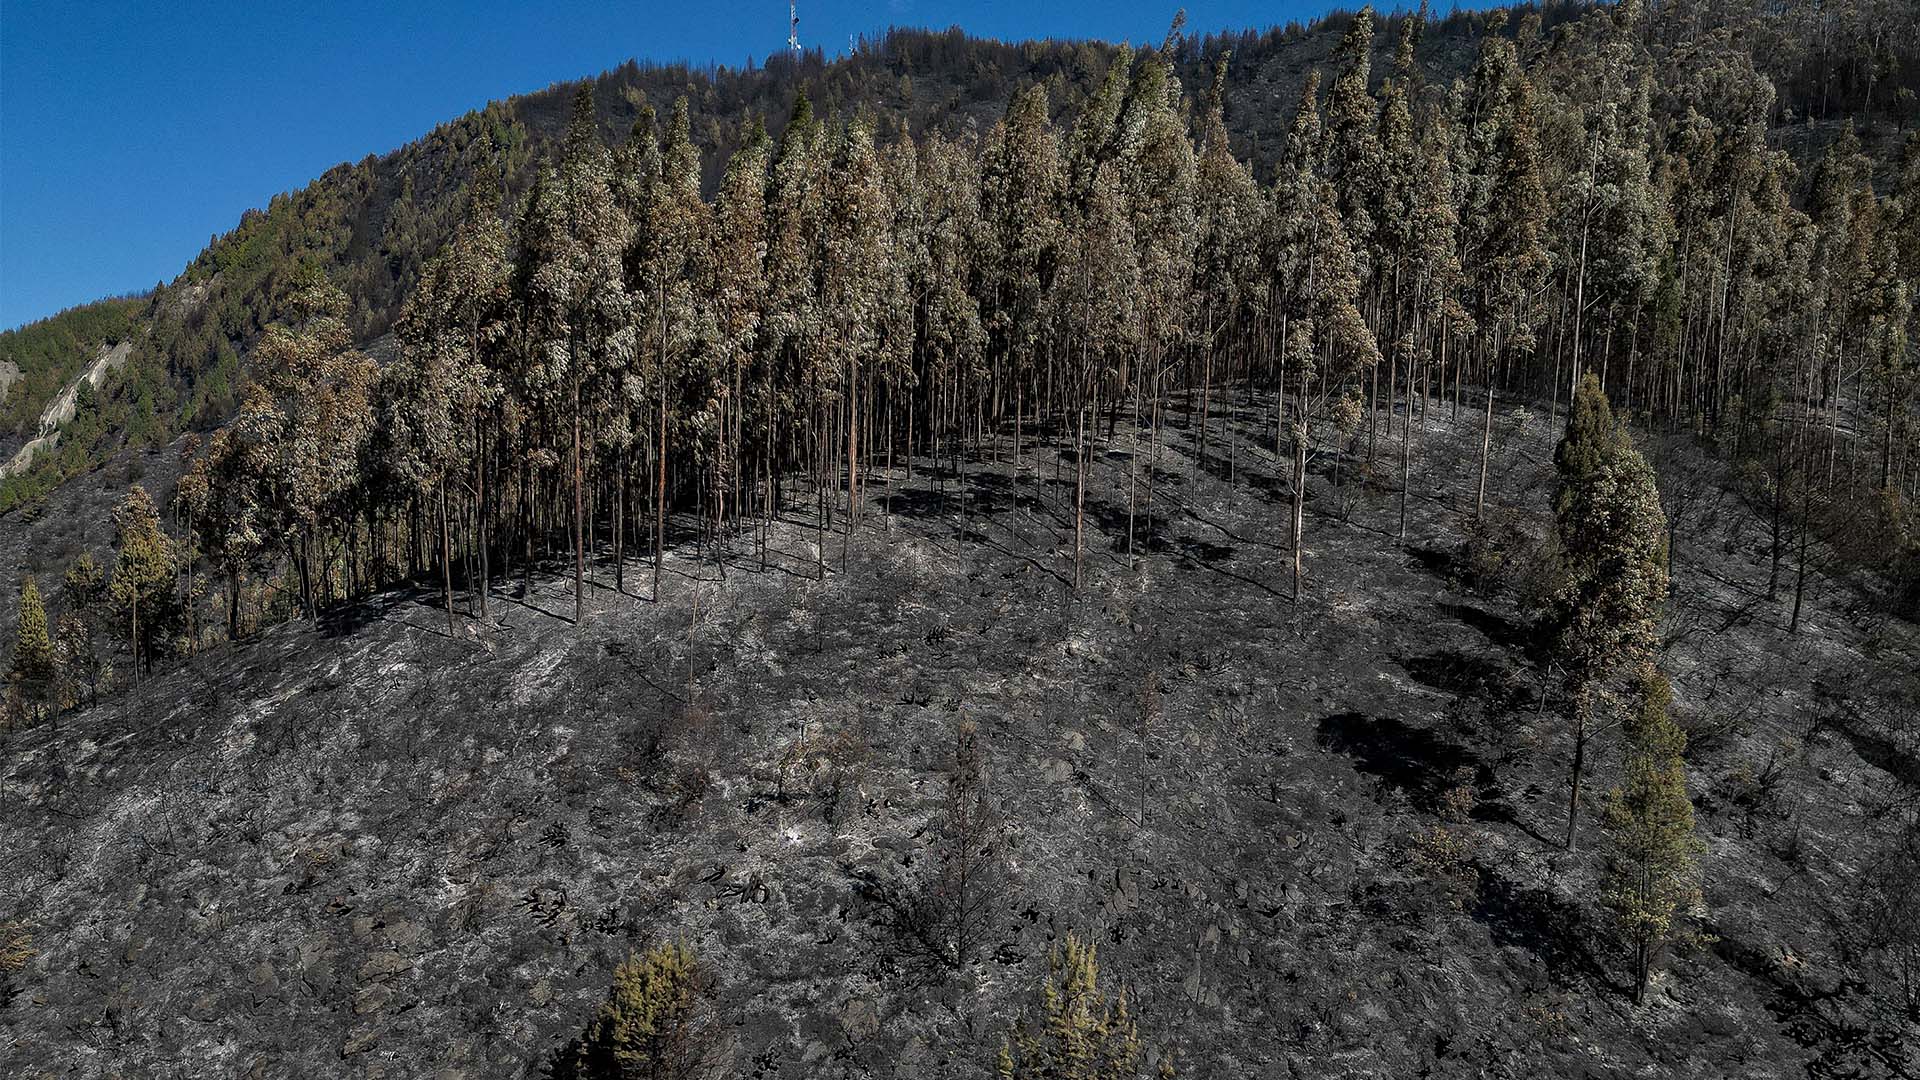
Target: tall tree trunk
{"x": 579, "y": 534}
{"x": 853, "y": 460}
{"x": 620, "y": 520}
{"x": 446, "y": 558}
{"x": 660, "y": 492}
{"x": 1486, "y": 452}
{"x": 1800, "y": 575}
{"x": 1582, "y": 706}
{"x": 1300, "y": 439}
{"x": 1406, "y": 457}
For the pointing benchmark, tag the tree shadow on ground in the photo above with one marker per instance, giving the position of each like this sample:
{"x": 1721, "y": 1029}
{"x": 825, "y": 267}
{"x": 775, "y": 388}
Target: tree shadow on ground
{"x": 1152, "y": 535}
{"x": 1439, "y": 562}
{"x": 1412, "y": 759}
{"x": 1549, "y": 926}
{"x": 1507, "y": 633}
{"x": 1847, "y": 1040}
{"x": 350, "y": 618}
{"x": 1463, "y": 674}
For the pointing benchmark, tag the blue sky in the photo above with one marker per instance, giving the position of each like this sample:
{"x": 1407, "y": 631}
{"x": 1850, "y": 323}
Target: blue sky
{"x": 130, "y": 133}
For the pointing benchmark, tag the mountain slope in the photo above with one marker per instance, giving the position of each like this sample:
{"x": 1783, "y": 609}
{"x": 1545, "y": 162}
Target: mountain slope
{"x": 370, "y": 849}
{"x": 371, "y": 225}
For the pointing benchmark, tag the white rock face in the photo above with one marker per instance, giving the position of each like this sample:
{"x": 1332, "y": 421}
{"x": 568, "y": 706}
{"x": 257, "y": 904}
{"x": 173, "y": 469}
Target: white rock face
{"x": 62, "y": 407}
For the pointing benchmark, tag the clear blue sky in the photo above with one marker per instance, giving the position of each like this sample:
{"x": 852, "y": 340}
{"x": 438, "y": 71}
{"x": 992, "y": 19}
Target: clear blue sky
{"x": 130, "y": 133}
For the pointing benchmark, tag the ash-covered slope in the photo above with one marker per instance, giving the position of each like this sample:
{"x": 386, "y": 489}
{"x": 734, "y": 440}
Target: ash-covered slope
{"x": 370, "y": 849}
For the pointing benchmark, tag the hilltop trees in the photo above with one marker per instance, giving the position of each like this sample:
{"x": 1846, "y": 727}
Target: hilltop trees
{"x": 641, "y": 343}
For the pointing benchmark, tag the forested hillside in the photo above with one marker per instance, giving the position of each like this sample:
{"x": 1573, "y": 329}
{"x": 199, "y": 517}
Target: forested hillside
{"x": 1302, "y": 336}
{"x": 370, "y": 226}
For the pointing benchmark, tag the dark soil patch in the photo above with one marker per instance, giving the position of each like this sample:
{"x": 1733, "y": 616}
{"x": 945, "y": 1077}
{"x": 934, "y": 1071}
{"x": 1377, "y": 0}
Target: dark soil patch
{"x": 1467, "y": 675}
{"x": 1414, "y": 760}
{"x": 1544, "y": 923}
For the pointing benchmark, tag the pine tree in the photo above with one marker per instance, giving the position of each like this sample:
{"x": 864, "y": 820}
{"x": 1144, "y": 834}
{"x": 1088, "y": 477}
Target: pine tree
{"x": 1076, "y": 1031}
{"x": 1652, "y": 872}
{"x": 970, "y": 873}
{"x": 655, "y": 1024}
{"x": 1605, "y": 611}
{"x": 142, "y": 581}
{"x": 32, "y": 670}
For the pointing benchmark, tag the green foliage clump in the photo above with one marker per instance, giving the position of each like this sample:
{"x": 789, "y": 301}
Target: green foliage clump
{"x": 32, "y": 668}
{"x": 1076, "y": 1031}
{"x": 142, "y": 582}
{"x": 1613, "y": 543}
{"x": 655, "y": 1024}
{"x": 1652, "y": 870}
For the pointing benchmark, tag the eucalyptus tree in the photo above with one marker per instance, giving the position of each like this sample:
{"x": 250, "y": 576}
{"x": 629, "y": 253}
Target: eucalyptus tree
{"x": 952, "y": 330}
{"x": 855, "y": 269}
{"x": 1504, "y": 217}
{"x": 791, "y": 338}
{"x": 579, "y": 316}
{"x": 437, "y": 399}
{"x": 1159, "y": 171}
{"x": 904, "y": 278}
{"x": 739, "y": 289}
{"x": 1351, "y": 158}
{"x": 141, "y": 583}
{"x": 627, "y": 434}
{"x": 1228, "y": 215}
{"x": 1021, "y": 184}
{"x": 681, "y": 326}
{"x": 299, "y": 445}
{"x": 1099, "y": 296}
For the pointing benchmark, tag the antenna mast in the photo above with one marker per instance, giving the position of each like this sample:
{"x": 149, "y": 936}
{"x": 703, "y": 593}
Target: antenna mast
{"x": 793, "y": 27}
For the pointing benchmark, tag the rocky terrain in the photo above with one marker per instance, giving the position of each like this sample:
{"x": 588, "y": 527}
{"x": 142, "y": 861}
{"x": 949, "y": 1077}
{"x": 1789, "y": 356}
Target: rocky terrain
{"x": 62, "y": 407}
{"x": 368, "y": 848}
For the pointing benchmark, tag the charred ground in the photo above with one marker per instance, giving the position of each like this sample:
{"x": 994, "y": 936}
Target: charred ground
{"x": 367, "y": 848}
